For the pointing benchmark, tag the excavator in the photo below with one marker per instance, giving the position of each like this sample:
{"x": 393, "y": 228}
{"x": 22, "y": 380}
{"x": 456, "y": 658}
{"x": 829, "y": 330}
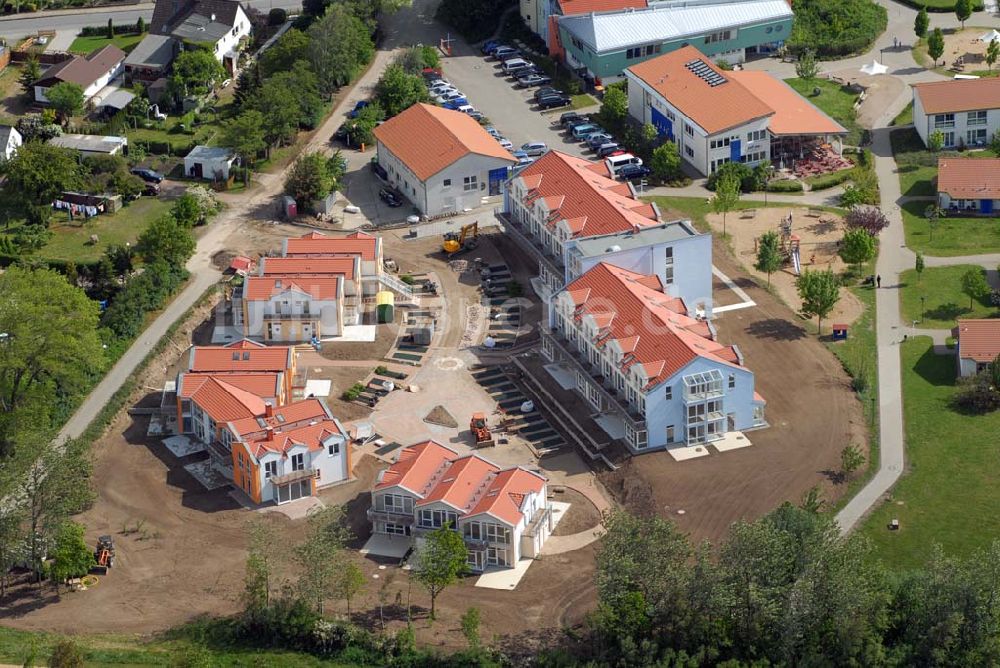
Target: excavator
{"x": 479, "y": 429}
{"x": 465, "y": 239}
{"x": 104, "y": 555}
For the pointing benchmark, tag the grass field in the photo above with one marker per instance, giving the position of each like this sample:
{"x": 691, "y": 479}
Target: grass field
{"x": 835, "y": 100}
{"x": 949, "y": 495}
{"x": 84, "y": 45}
{"x": 951, "y": 235}
{"x": 944, "y": 300}
{"x": 905, "y": 117}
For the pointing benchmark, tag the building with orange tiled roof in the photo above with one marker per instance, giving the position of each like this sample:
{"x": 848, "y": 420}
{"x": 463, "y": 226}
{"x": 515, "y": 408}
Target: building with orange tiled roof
{"x": 655, "y": 374}
{"x": 570, "y": 214}
{"x": 503, "y": 514}
{"x": 441, "y": 160}
{"x": 969, "y": 185}
{"x": 717, "y": 116}
{"x": 965, "y": 111}
{"x": 977, "y": 344}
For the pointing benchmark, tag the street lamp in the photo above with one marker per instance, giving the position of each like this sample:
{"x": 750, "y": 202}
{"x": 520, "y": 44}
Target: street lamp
{"x": 922, "y": 298}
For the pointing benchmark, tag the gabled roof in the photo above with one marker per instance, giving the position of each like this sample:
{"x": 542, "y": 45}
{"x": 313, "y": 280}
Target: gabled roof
{"x": 715, "y": 108}
{"x": 303, "y": 266}
{"x": 222, "y": 401}
{"x": 83, "y": 71}
{"x": 266, "y": 384}
{"x": 281, "y": 441}
{"x": 969, "y": 178}
{"x": 954, "y": 95}
{"x": 169, "y": 13}
{"x": 978, "y": 339}
{"x": 240, "y": 356}
{"x": 427, "y": 139}
{"x": 571, "y": 7}
{"x": 505, "y": 495}
{"x": 263, "y": 288}
{"x": 652, "y": 328}
{"x": 590, "y": 202}
{"x": 416, "y": 466}
{"x": 461, "y": 482}
{"x": 793, "y": 114}
{"x": 155, "y": 51}
{"x": 317, "y": 243}
{"x": 289, "y": 416}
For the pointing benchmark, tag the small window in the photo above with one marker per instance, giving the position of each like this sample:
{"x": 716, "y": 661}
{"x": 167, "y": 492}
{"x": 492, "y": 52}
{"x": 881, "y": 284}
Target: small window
{"x": 732, "y": 381}
{"x": 333, "y": 449}
{"x": 298, "y": 462}
{"x": 670, "y": 393}
{"x": 689, "y": 151}
{"x": 270, "y": 469}
{"x": 670, "y": 433}
{"x": 778, "y": 28}
{"x": 447, "y": 183}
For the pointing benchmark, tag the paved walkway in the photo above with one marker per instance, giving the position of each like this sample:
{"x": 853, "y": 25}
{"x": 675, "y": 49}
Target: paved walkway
{"x": 561, "y": 544}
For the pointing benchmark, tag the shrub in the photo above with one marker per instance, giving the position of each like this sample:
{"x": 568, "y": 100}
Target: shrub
{"x": 836, "y": 27}
{"x": 829, "y": 180}
{"x": 406, "y": 278}
{"x": 784, "y": 186}
{"x": 276, "y": 16}
{"x": 742, "y": 172}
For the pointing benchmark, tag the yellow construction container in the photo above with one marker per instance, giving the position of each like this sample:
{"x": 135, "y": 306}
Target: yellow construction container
{"x": 385, "y": 305}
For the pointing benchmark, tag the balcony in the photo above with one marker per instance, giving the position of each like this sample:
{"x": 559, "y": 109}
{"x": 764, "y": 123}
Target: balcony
{"x": 393, "y": 516}
{"x": 290, "y": 316}
{"x": 530, "y": 243}
{"x": 542, "y": 515}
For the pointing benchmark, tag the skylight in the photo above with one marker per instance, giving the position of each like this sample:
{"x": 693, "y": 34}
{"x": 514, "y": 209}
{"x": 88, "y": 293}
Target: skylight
{"x": 701, "y": 69}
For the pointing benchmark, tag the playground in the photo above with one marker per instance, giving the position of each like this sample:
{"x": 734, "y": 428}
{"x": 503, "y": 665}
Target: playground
{"x": 809, "y": 239}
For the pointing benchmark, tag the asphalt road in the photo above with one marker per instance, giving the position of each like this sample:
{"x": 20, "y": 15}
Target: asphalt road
{"x": 28, "y": 24}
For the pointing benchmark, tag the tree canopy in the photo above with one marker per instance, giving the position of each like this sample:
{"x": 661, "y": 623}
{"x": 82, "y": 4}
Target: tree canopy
{"x": 441, "y": 559}
{"x": 836, "y": 27}
{"x": 768, "y": 254}
{"x": 39, "y": 172}
{"x": 196, "y": 71}
{"x": 340, "y": 45}
{"x": 166, "y": 240}
{"x": 290, "y": 48}
{"x": 857, "y": 247}
{"x": 314, "y": 176}
{"x": 819, "y": 292}
{"x": 66, "y": 97}
{"x": 397, "y": 90}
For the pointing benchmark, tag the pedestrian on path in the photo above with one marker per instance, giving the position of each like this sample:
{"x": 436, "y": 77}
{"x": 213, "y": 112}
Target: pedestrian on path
{"x": 878, "y": 281}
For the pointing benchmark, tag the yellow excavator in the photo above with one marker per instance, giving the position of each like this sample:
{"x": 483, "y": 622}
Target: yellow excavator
{"x": 465, "y": 239}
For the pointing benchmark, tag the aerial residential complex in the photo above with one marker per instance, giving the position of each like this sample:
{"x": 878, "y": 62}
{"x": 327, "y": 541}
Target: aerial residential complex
{"x": 969, "y": 185}
{"x": 719, "y": 116}
{"x": 966, "y": 111}
{"x": 503, "y": 514}
{"x": 599, "y": 45}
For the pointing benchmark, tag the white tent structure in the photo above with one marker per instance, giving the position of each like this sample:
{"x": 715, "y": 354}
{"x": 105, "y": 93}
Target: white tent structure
{"x": 991, "y": 36}
{"x": 874, "y": 68}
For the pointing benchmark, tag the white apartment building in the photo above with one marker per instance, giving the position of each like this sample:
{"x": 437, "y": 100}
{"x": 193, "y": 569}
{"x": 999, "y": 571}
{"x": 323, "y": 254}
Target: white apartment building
{"x": 965, "y": 111}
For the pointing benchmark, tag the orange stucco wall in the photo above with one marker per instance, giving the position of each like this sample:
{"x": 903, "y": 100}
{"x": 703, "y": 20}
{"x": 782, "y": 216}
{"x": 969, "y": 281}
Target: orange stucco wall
{"x": 250, "y": 478}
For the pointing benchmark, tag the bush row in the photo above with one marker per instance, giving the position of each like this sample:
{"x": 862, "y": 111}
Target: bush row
{"x": 102, "y": 30}
{"x": 785, "y": 186}
{"x": 830, "y": 180}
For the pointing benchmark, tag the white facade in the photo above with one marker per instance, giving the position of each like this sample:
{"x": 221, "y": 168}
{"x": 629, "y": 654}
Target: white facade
{"x": 295, "y": 315}
{"x": 705, "y": 151}
{"x": 329, "y": 465}
{"x": 960, "y": 128}
{"x": 91, "y": 90}
{"x": 229, "y": 43}
{"x": 459, "y": 186}
{"x": 208, "y": 163}
{"x": 14, "y": 140}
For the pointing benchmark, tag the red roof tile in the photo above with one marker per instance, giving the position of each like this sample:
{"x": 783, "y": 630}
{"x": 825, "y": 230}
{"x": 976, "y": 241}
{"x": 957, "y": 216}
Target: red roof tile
{"x": 263, "y": 288}
{"x": 506, "y": 493}
{"x": 461, "y": 482}
{"x": 594, "y": 204}
{"x": 416, "y": 466}
{"x": 571, "y": 7}
{"x": 969, "y": 178}
{"x": 427, "y": 139}
{"x": 793, "y": 114}
{"x": 303, "y": 266}
{"x": 282, "y": 440}
{"x": 954, "y": 95}
{"x": 317, "y": 243}
{"x": 978, "y": 340}
{"x": 644, "y": 322}
{"x": 265, "y": 384}
{"x": 288, "y": 416}
{"x": 222, "y": 401}
{"x": 714, "y": 108}
{"x": 240, "y": 356}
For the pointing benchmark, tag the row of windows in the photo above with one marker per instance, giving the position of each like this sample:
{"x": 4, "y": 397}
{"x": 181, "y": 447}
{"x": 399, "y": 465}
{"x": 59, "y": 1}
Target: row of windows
{"x": 642, "y": 51}
{"x": 718, "y": 163}
{"x": 720, "y": 143}
{"x": 722, "y": 36}
{"x": 756, "y": 156}
{"x": 975, "y": 118}
{"x": 689, "y": 151}
{"x": 756, "y": 135}
{"x": 468, "y": 183}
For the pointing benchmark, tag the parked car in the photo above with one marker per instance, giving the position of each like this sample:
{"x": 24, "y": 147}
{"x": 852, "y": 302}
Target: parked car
{"x": 456, "y": 98}
{"x": 435, "y": 82}
{"x": 525, "y": 71}
{"x": 390, "y": 198}
{"x": 502, "y": 52}
{"x": 492, "y": 131}
{"x": 477, "y": 115}
{"x": 524, "y": 162}
{"x": 530, "y": 80}
{"x": 599, "y": 138}
{"x": 490, "y": 45}
{"x": 547, "y": 90}
{"x": 553, "y": 101}
{"x": 630, "y": 172}
{"x": 147, "y": 175}
{"x": 571, "y": 118}
{"x": 616, "y": 162}
{"x": 514, "y": 64}
{"x": 534, "y": 147}
{"x": 503, "y": 141}
{"x": 581, "y": 132}
{"x": 358, "y": 106}
{"x": 519, "y": 154}
{"x": 607, "y": 149}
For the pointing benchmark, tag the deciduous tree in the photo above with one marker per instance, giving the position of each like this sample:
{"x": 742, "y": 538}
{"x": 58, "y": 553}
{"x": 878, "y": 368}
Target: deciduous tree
{"x": 396, "y": 91}
{"x": 918, "y": 265}
{"x": 72, "y": 557}
{"x": 319, "y": 556}
{"x": 441, "y": 559}
{"x": 807, "y": 68}
{"x": 340, "y": 45}
{"x": 935, "y": 45}
{"x": 39, "y": 172}
{"x": 867, "y": 218}
{"x": 857, "y": 247}
{"x": 992, "y": 53}
{"x": 921, "y": 23}
{"x": 256, "y": 595}
{"x": 974, "y": 285}
{"x": 312, "y": 177}
{"x": 348, "y": 580}
{"x": 851, "y": 459}
{"x": 197, "y": 71}
{"x": 665, "y": 162}
{"x": 246, "y": 137}
{"x": 819, "y": 292}
{"x": 614, "y": 107}
{"x": 768, "y": 254}
{"x": 963, "y": 10}
{"x": 290, "y": 48}
{"x": 166, "y": 240}
{"x": 31, "y": 71}
{"x": 727, "y": 195}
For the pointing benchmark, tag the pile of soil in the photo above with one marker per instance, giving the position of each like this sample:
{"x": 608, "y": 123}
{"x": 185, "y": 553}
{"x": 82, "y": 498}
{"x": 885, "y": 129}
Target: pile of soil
{"x": 440, "y": 416}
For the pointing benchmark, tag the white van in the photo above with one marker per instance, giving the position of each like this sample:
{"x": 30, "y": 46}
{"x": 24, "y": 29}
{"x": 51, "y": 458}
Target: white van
{"x": 616, "y": 162}
{"x": 514, "y": 63}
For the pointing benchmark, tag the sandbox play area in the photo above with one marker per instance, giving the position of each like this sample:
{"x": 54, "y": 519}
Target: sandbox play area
{"x": 817, "y": 233}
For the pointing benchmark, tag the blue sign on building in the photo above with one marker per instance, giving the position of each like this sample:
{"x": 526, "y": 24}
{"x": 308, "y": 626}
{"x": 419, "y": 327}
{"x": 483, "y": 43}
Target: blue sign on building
{"x": 664, "y": 126}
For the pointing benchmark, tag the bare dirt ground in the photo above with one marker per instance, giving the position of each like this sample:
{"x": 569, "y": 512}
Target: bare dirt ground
{"x": 818, "y": 240}
{"x": 582, "y": 514}
{"x": 812, "y": 411}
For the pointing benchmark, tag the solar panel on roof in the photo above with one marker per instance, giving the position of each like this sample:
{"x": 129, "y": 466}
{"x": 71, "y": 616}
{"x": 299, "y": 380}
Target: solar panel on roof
{"x": 701, "y": 69}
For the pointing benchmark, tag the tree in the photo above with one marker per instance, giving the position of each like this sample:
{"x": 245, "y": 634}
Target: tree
{"x": 995, "y": 143}
{"x": 319, "y": 556}
{"x": 120, "y": 256}
{"x": 614, "y": 107}
{"x": 310, "y": 178}
{"x": 992, "y": 53}
{"x": 807, "y": 68}
{"x": 290, "y": 48}
{"x": 857, "y": 247}
{"x": 935, "y": 141}
{"x": 851, "y": 459}
{"x": 167, "y": 240}
{"x": 918, "y": 265}
{"x": 348, "y": 581}
{"x": 867, "y": 218}
{"x": 31, "y": 72}
{"x": 819, "y": 292}
{"x": 974, "y": 285}
{"x": 72, "y": 557}
{"x": 470, "y": 627}
{"x": 256, "y": 594}
{"x": 186, "y": 210}
{"x": 963, "y": 10}
{"x": 276, "y": 16}
{"x": 66, "y": 654}
{"x": 39, "y": 172}
{"x": 769, "y": 258}
{"x": 66, "y": 98}
{"x": 921, "y": 23}
{"x": 933, "y": 213}
{"x": 665, "y": 162}
{"x": 111, "y": 29}
{"x": 280, "y": 118}
{"x": 339, "y": 46}
{"x": 196, "y": 71}
{"x": 246, "y": 137}
{"x": 935, "y": 45}
{"x": 440, "y": 561}
{"x": 140, "y": 25}
{"x": 364, "y": 124}
{"x": 727, "y": 195}
{"x": 397, "y": 91}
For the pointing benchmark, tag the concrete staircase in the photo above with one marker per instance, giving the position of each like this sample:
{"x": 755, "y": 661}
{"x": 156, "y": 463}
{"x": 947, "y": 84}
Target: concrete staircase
{"x": 404, "y": 291}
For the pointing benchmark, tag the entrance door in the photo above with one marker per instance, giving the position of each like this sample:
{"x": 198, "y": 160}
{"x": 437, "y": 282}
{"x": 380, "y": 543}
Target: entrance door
{"x": 985, "y": 206}
{"x": 734, "y": 150}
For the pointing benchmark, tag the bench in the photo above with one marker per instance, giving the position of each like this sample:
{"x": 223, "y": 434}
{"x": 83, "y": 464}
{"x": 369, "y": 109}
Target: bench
{"x": 814, "y": 212}
{"x": 748, "y": 213}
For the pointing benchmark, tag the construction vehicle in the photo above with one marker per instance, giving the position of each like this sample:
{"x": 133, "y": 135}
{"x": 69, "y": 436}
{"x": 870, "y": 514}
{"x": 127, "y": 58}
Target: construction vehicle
{"x": 104, "y": 555}
{"x": 465, "y": 239}
{"x": 480, "y": 430}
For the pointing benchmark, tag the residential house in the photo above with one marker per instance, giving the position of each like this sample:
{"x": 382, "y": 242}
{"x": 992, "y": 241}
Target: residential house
{"x": 717, "y": 116}
{"x": 977, "y": 344}
{"x": 569, "y": 214}
{"x": 969, "y": 185}
{"x": 218, "y": 25}
{"x": 10, "y": 140}
{"x": 441, "y": 160}
{"x": 366, "y": 247}
{"x": 91, "y": 73}
{"x": 600, "y": 45}
{"x": 151, "y": 58}
{"x": 90, "y": 145}
{"x": 209, "y": 162}
{"x": 966, "y": 111}
{"x": 503, "y": 514}
{"x": 655, "y": 376}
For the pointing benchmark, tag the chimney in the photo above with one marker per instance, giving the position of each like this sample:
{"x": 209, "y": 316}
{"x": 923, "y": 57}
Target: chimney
{"x": 268, "y": 410}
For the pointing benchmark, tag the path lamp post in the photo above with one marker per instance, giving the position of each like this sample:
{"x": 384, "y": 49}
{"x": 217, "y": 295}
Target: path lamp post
{"x": 922, "y": 298}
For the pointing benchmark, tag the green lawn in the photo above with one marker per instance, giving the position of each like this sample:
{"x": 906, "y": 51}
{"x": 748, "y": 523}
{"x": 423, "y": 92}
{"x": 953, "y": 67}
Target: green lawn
{"x": 949, "y": 495}
{"x": 833, "y": 99}
{"x": 905, "y": 117}
{"x": 944, "y": 300}
{"x": 917, "y": 180}
{"x": 951, "y": 235}
{"x": 84, "y": 45}
{"x": 71, "y": 241}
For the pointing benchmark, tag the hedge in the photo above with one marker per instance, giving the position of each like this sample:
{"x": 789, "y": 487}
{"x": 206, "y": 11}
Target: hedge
{"x": 102, "y": 30}
{"x": 977, "y": 6}
{"x": 785, "y": 186}
{"x": 830, "y": 180}
{"x": 836, "y": 28}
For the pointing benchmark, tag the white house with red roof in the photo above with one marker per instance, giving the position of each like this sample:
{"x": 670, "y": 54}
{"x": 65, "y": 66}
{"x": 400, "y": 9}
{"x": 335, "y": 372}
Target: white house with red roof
{"x": 503, "y": 514}
{"x": 965, "y": 111}
{"x": 978, "y": 344}
{"x": 656, "y": 376}
{"x": 570, "y": 214}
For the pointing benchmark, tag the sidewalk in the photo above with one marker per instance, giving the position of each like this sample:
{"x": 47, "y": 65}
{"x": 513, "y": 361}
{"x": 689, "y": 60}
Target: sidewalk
{"x": 108, "y": 9}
